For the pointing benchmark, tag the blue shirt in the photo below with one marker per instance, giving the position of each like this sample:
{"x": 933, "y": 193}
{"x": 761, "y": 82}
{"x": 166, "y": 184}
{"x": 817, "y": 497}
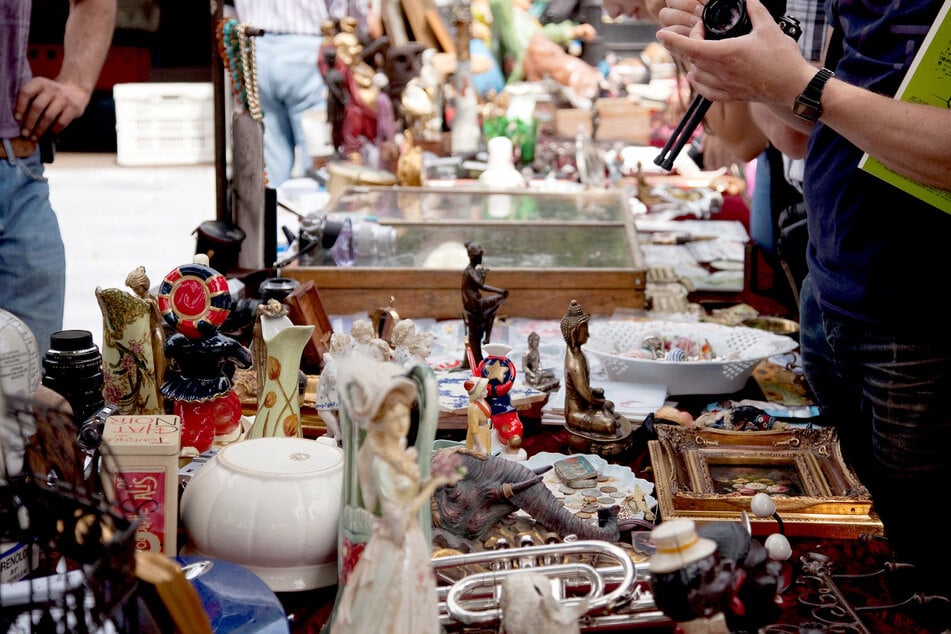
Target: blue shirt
{"x": 875, "y": 253}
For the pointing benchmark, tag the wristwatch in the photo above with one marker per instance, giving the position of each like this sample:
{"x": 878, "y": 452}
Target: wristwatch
{"x": 807, "y": 105}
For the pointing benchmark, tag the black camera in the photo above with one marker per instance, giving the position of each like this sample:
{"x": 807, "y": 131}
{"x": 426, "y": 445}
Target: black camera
{"x": 728, "y": 18}
{"x": 722, "y": 19}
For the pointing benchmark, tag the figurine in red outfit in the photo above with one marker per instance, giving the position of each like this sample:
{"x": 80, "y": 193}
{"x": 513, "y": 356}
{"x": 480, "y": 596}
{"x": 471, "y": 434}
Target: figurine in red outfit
{"x": 195, "y": 301}
{"x": 501, "y": 372}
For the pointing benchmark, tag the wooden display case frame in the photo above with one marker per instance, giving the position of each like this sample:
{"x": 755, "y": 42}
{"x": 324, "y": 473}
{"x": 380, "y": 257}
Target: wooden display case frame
{"x": 601, "y": 264}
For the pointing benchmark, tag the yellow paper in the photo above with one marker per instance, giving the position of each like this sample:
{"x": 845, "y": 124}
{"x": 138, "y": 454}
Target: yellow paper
{"x": 928, "y": 81}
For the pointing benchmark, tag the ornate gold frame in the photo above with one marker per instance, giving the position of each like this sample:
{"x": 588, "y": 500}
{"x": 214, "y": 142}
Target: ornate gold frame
{"x": 830, "y": 500}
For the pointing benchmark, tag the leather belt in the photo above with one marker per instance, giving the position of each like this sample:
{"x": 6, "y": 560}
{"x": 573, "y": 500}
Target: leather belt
{"x": 21, "y": 148}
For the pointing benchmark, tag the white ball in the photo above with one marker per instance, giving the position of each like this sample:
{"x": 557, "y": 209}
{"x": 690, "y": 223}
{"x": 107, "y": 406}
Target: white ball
{"x": 778, "y": 547}
{"x": 762, "y": 505}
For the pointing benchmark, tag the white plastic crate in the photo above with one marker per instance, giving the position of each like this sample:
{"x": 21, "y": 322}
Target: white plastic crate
{"x": 164, "y": 123}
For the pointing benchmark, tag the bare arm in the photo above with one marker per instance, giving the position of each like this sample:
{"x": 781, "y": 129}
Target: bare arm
{"x": 766, "y": 66}
{"x": 53, "y": 104}
{"x": 731, "y": 135}
{"x": 785, "y": 138}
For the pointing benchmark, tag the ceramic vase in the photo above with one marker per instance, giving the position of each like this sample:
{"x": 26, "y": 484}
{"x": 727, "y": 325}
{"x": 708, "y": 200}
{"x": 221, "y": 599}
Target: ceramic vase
{"x": 278, "y": 402}
{"x": 128, "y": 356}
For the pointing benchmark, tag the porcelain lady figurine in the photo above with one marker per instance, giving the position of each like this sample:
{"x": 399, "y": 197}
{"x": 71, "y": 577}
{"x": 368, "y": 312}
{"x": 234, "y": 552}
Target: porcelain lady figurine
{"x": 588, "y": 414}
{"x": 391, "y": 588}
{"x": 278, "y": 403}
{"x": 133, "y": 356}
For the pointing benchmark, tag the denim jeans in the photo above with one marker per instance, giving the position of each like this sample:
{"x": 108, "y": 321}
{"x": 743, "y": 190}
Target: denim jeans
{"x": 290, "y": 84}
{"x": 887, "y": 390}
{"x": 32, "y": 256}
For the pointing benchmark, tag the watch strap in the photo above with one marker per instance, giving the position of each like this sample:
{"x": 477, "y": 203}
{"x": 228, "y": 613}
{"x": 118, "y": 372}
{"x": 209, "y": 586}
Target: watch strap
{"x": 808, "y": 104}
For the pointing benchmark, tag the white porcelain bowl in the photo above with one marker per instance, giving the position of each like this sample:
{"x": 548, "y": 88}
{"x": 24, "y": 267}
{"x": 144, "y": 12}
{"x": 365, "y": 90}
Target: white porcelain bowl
{"x": 737, "y": 351}
{"x": 272, "y": 505}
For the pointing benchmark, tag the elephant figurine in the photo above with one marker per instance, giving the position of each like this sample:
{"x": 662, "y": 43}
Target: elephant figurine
{"x": 493, "y": 488}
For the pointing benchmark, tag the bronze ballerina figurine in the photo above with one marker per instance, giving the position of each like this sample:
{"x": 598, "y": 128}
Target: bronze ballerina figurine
{"x": 478, "y": 310}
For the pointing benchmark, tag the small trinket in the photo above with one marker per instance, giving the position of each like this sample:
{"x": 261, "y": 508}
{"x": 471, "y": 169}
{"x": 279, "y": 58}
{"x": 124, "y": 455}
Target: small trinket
{"x": 577, "y": 472}
{"x": 676, "y": 354}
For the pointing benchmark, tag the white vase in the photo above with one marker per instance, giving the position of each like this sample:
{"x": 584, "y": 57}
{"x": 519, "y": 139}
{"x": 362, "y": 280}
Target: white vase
{"x": 500, "y": 172}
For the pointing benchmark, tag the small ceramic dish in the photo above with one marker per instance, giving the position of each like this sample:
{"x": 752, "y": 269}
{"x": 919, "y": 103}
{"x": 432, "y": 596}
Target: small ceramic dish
{"x": 615, "y": 484}
{"x": 271, "y": 505}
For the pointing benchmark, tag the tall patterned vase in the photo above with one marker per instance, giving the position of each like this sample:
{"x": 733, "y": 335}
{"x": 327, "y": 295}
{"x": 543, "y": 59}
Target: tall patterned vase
{"x": 128, "y": 355}
{"x": 278, "y": 402}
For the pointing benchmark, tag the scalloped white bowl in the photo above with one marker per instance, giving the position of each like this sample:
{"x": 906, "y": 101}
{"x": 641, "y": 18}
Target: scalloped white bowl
{"x": 272, "y": 505}
{"x": 737, "y": 349}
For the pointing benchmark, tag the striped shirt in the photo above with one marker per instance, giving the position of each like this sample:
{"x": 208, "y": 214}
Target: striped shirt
{"x": 300, "y": 17}
{"x": 812, "y": 19}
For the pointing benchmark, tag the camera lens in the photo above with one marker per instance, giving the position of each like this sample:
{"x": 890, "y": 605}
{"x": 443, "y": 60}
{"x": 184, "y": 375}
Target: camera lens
{"x": 726, "y": 18}
{"x": 276, "y": 288}
{"x": 373, "y": 240}
{"x": 72, "y": 367}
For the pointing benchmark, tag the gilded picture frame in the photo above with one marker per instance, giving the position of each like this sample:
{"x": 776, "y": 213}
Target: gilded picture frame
{"x": 709, "y": 474}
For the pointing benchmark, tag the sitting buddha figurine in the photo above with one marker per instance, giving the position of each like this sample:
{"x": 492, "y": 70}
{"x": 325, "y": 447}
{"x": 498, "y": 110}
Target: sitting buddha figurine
{"x": 535, "y": 375}
{"x": 589, "y": 416}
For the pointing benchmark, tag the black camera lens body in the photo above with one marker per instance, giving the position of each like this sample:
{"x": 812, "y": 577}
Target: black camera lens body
{"x": 722, "y": 19}
{"x": 72, "y": 367}
{"x": 728, "y": 18}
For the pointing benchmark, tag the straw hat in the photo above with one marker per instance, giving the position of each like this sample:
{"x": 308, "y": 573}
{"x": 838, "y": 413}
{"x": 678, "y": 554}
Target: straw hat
{"x": 678, "y": 545}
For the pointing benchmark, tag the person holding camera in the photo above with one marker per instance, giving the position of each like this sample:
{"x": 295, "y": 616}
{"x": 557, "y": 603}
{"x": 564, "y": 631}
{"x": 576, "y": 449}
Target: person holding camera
{"x": 872, "y": 343}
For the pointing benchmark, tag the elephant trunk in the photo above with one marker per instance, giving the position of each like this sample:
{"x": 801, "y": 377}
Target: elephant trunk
{"x": 549, "y": 512}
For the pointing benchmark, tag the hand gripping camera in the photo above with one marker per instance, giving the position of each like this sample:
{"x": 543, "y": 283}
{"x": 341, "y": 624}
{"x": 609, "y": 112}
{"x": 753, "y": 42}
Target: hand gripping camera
{"x": 722, "y": 19}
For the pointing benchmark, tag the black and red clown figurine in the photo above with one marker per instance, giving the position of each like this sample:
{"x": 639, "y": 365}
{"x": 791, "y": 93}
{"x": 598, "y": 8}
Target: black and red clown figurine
{"x": 194, "y": 300}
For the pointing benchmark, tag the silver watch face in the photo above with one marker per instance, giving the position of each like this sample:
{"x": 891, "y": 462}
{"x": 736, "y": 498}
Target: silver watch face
{"x": 806, "y": 111}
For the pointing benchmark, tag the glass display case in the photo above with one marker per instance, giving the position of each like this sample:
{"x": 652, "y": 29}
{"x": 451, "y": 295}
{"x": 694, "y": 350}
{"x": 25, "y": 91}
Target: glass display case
{"x": 406, "y": 250}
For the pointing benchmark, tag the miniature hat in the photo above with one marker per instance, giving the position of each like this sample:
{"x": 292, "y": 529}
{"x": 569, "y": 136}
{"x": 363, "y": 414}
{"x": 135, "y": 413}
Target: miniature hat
{"x": 496, "y": 349}
{"x": 678, "y": 545}
{"x": 476, "y": 386}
